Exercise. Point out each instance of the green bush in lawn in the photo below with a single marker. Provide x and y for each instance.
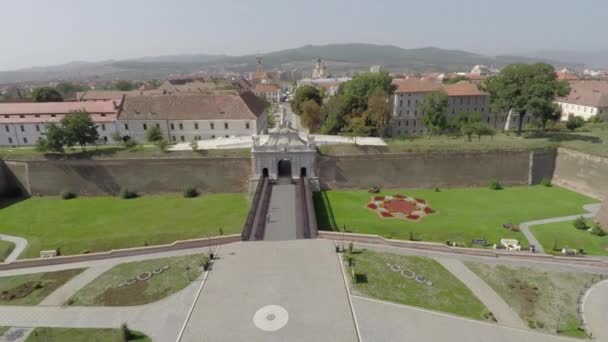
(125, 193)
(66, 195)
(545, 182)
(495, 185)
(580, 223)
(597, 230)
(190, 192)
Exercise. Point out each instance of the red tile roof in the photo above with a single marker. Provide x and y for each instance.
(44, 112)
(267, 88)
(463, 88)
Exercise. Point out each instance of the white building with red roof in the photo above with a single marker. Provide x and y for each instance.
(25, 123)
(271, 92)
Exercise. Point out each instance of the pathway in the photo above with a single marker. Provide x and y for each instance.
(592, 210)
(269, 291)
(386, 322)
(595, 310)
(61, 295)
(20, 244)
(282, 213)
(503, 313)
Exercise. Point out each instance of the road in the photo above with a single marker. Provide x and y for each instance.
(291, 117)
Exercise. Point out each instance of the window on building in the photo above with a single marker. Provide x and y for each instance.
(53, 115)
(415, 113)
(157, 125)
(246, 125)
(173, 138)
(400, 103)
(172, 126)
(227, 136)
(25, 140)
(182, 138)
(196, 125)
(414, 123)
(145, 127)
(103, 127)
(105, 139)
(408, 102)
(10, 140)
(181, 126)
(407, 112)
(22, 116)
(37, 128)
(22, 128)
(225, 125)
(102, 114)
(36, 115)
(213, 137)
(6, 128)
(399, 123)
(212, 125)
(407, 123)
(126, 126)
(6, 116)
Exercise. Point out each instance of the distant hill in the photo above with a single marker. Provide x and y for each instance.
(339, 57)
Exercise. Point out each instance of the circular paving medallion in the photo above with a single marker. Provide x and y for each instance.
(270, 318)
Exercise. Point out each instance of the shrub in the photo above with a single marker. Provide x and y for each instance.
(597, 230)
(130, 143)
(495, 185)
(580, 223)
(66, 195)
(190, 192)
(125, 193)
(350, 248)
(574, 122)
(194, 145)
(162, 144)
(220, 231)
(546, 182)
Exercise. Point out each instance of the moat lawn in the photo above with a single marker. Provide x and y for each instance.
(462, 214)
(564, 235)
(93, 224)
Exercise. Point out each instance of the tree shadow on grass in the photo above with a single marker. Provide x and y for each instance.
(566, 136)
(360, 278)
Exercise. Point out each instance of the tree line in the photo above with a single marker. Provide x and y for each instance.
(362, 105)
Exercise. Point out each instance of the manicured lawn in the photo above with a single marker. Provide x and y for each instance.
(105, 290)
(566, 236)
(41, 285)
(92, 224)
(3, 330)
(592, 139)
(446, 293)
(462, 214)
(546, 301)
(6, 248)
(81, 335)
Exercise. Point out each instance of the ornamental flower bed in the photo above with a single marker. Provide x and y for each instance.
(400, 207)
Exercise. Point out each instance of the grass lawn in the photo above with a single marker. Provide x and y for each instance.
(3, 330)
(592, 139)
(463, 214)
(105, 290)
(546, 301)
(6, 247)
(19, 286)
(92, 224)
(447, 293)
(82, 335)
(567, 236)
(117, 151)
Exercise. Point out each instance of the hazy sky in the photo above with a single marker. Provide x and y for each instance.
(44, 32)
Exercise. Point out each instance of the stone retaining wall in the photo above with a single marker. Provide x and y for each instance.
(582, 173)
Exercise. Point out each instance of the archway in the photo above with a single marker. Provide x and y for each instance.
(265, 172)
(284, 168)
(303, 172)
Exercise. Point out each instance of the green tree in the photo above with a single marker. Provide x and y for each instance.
(378, 111)
(303, 94)
(54, 138)
(311, 116)
(334, 111)
(356, 92)
(356, 126)
(79, 129)
(69, 88)
(124, 85)
(435, 108)
(525, 88)
(455, 79)
(46, 94)
(153, 134)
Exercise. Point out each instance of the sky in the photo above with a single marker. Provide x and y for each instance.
(48, 32)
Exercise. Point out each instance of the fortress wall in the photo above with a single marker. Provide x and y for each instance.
(104, 177)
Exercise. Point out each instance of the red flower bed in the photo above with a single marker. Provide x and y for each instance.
(379, 198)
(399, 196)
(372, 206)
(420, 200)
(385, 214)
(413, 217)
(428, 210)
(400, 206)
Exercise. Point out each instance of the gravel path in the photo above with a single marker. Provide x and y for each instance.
(20, 244)
(592, 210)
